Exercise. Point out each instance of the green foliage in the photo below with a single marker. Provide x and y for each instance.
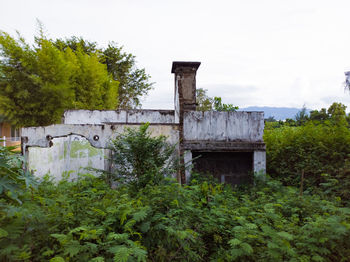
(302, 116)
(151, 218)
(39, 82)
(206, 103)
(133, 82)
(335, 114)
(219, 106)
(316, 148)
(13, 179)
(86, 220)
(140, 159)
(93, 87)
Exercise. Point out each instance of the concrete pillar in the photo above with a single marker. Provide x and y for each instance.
(185, 100)
(259, 162)
(188, 164)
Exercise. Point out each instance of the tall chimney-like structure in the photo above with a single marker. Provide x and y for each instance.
(185, 87)
(185, 100)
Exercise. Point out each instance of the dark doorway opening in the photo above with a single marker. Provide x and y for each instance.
(229, 167)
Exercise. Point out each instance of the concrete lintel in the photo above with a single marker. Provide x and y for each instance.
(206, 146)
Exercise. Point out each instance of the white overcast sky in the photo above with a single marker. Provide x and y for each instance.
(253, 52)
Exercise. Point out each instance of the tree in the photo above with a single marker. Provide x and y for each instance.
(133, 82)
(39, 82)
(337, 112)
(140, 159)
(302, 116)
(321, 115)
(206, 103)
(270, 119)
(219, 106)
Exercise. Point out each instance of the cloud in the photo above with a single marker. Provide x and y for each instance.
(339, 99)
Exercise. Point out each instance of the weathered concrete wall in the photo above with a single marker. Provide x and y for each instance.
(223, 126)
(72, 148)
(71, 154)
(96, 117)
(203, 132)
(97, 135)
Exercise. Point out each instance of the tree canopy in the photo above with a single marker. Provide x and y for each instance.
(38, 82)
(335, 114)
(206, 103)
(133, 82)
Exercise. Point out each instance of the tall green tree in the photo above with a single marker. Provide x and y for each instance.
(336, 113)
(134, 82)
(38, 82)
(206, 103)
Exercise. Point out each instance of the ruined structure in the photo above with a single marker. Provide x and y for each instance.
(228, 145)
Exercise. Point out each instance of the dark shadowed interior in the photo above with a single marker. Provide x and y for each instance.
(229, 167)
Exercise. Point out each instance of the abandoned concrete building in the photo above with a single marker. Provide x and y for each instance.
(230, 144)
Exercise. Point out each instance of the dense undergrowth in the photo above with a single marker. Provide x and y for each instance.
(320, 150)
(86, 220)
(156, 219)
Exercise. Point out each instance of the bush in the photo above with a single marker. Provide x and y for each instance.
(86, 220)
(13, 179)
(139, 159)
(317, 149)
(149, 217)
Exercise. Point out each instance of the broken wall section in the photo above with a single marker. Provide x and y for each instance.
(71, 148)
(72, 154)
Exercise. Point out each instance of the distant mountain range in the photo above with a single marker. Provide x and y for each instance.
(279, 113)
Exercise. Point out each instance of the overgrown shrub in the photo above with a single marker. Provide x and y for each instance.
(13, 179)
(86, 220)
(148, 218)
(139, 159)
(322, 148)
